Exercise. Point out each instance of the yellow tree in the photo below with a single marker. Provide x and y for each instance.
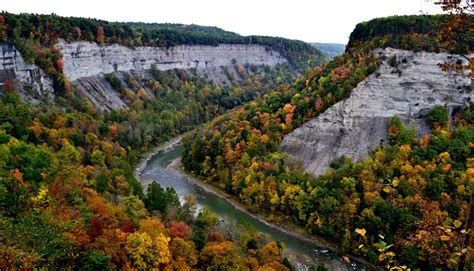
(146, 252)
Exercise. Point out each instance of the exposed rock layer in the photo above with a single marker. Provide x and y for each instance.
(355, 126)
(84, 59)
(86, 63)
(34, 84)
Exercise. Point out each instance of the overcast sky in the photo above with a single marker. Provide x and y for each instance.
(307, 20)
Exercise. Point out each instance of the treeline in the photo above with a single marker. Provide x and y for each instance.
(404, 206)
(28, 31)
(413, 33)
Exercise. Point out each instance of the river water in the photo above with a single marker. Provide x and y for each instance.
(302, 254)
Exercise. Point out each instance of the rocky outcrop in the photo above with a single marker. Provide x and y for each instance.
(355, 126)
(33, 83)
(85, 59)
(86, 63)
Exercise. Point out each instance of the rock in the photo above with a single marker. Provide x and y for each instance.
(355, 126)
(33, 84)
(85, 59)
(86, 63)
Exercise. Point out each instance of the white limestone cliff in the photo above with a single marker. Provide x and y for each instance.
(84, 59)
(355, 126)
(34, 84)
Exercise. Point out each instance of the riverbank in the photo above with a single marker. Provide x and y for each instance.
(232, 200)
(164, 147)
(294, 231)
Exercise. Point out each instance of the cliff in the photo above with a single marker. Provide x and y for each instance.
(34, 84)
(84, 59)
(86, 63)
(353, 127)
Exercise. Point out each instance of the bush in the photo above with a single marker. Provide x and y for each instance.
(438, 116)
(393, 61)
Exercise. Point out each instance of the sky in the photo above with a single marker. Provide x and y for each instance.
(307, 20)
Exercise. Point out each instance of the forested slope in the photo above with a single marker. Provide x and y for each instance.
(404, 206)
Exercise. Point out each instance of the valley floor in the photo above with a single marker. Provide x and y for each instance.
(289, 228)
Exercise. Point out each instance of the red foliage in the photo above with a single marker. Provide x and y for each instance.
(60, 64)
(128, 227)
(9, 86)
(319, 104)
(113, 129)
(97, 226)
(179, 229)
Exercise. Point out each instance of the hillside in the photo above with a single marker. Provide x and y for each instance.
(404, 206)
(355, 126)
(82, 100)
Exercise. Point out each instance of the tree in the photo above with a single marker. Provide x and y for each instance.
(147, 252)
(457, 34)
(95, 260)
(185, 250)
(180, 229)
(221, 256)
(134, 208)
(100, 38)
(438, 116)
(159, 199)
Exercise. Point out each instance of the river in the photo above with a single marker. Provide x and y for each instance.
(302, 254)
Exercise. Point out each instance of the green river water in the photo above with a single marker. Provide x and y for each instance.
(302, 254)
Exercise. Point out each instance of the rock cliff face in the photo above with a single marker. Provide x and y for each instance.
(34, 84)
(86, 63)
(85, 59)
(358, 124)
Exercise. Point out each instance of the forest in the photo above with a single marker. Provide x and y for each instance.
(69, 198)
(405, 206)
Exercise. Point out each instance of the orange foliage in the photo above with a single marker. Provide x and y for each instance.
(179, 229)
(152, 226)
(78, 236)
(100, 35)
(319, 104)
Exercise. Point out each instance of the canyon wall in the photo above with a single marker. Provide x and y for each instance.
(355, 126)
(84, 59)
(86, 63)
(33, 83)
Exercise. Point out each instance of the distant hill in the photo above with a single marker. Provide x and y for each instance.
(331, 50)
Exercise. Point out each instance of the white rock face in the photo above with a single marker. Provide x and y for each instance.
(355, 126)
(85, 59)
(33, 82)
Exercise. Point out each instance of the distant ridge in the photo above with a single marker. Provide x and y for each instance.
(330, 50)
